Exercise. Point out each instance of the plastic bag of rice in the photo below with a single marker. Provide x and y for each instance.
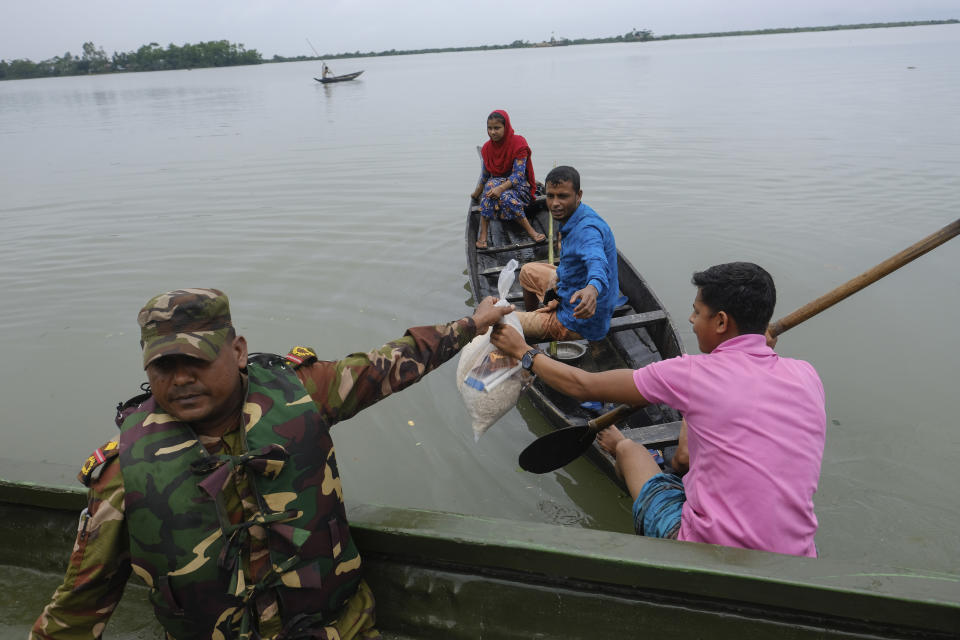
(489, 381)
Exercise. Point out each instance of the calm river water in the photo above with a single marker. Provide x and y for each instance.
(333, 216)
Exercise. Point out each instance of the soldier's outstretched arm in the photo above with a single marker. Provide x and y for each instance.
(342, 388)
(98, 569)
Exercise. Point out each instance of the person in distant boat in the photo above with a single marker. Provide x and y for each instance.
(326, 71)
(507, 184)
(753, 431)
(580, 294)
(222, 490)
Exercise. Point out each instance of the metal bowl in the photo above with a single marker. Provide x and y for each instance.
(570, 352)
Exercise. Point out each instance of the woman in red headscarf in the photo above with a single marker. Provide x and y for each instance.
(506, 181)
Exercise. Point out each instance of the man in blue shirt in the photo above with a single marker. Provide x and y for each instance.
(580, 294)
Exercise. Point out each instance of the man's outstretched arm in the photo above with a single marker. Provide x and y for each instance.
(606, 386)
(342, 388)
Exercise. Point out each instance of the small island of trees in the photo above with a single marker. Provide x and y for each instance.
(149, 57)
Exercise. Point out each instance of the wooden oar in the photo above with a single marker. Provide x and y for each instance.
(563, 446)
(866, 278)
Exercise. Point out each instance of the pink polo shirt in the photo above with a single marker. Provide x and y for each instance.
(756, 426)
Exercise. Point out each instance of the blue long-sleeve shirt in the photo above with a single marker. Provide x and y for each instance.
(588, 255)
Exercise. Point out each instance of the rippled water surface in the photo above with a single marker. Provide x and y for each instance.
(334, 216)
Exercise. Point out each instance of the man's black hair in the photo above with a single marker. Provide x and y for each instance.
(497, 116)
(564, 173)
(742, 289)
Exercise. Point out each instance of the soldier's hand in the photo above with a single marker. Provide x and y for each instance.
(487, 314)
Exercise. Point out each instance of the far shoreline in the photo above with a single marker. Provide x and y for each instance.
(636, 35)
(95, 61)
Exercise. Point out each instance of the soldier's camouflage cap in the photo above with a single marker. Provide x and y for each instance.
(191, 322)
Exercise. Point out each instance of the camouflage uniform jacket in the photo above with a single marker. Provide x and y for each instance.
(100, 562)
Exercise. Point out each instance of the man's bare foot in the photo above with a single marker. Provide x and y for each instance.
(481, 244)
(608, 439)
(538, 237)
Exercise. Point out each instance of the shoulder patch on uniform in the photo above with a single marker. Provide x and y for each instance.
(299, 356)
(94, 465)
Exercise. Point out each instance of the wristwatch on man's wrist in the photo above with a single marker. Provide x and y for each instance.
(527, 360)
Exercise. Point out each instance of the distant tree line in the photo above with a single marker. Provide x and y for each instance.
(149, 57)
(634, 35)
(836, 27)
(221, 53)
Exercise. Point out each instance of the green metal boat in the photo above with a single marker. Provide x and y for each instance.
(443, 575)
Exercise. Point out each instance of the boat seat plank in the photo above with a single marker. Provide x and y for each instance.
(492, 272)
(655, 435)
(512, 247)
(637, 320)
(636, 347)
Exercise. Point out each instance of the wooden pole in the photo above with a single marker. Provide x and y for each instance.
(866, 278)
(553, 343)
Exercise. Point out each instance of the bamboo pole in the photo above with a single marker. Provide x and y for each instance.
(866, 278)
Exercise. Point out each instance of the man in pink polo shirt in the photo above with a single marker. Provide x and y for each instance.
(754, 423)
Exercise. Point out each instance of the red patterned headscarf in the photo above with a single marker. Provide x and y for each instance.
(498, 157)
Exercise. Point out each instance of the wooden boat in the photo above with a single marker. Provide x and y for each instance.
(641, 331)
(443, 575)
(346, 76)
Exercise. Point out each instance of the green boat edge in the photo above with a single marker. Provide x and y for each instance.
(444, 575)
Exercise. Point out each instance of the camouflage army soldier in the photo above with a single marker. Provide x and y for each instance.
(222, 491)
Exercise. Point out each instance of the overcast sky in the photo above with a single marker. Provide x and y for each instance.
(41, 29)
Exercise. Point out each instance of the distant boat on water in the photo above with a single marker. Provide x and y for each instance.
(332, 78)
(327, 76)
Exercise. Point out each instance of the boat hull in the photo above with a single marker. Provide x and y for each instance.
(443, 575)
(343, 78)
